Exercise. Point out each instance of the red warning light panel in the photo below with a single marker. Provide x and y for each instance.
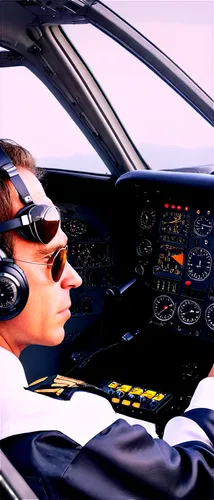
(178, 207)
(166, 205)
(186, 209)
(172, 206)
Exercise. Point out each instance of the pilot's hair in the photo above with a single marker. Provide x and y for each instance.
(19, 156)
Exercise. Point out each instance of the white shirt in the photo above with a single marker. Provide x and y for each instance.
(84, 416)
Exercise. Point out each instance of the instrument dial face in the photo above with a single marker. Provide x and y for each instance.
(139, 268)
(91, 255)
(199, 264)
(175, 222)
(75, 228)
(189, 312)
(147, 218)
(8, 292)
(163, 308)
(203, 226)
(144, 248)
(209, 316)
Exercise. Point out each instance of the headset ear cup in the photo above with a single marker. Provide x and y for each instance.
(27, 233)
(14, 289)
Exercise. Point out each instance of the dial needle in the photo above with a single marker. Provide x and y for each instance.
(164, 309)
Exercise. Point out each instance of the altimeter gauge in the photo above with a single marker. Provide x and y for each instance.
(199, 264)
(189, 312)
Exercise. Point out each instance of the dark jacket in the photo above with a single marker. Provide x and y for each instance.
(122, 462)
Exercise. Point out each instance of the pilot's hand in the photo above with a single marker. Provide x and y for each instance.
(211, 373)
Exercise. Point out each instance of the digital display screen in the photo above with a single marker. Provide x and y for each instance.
(170, 260)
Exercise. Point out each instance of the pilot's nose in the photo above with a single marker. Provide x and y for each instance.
(70, 278)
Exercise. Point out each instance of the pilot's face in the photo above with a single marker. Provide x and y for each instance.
(43, 318)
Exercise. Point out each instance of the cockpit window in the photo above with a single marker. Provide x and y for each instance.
(166, 130)
(32, 116)
(182, 29)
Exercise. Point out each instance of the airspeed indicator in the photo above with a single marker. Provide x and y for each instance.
(163, 308)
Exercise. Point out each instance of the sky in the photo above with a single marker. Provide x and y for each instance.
(150, 111)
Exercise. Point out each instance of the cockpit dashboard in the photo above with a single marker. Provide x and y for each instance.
(167, 241)
(144, 247)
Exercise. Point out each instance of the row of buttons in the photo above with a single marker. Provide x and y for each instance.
(135, 398)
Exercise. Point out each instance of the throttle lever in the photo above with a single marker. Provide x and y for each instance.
(117, 291)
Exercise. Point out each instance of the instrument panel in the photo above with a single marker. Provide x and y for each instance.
(91, 254)
(181, 263)
(90, 247)
(171, 249)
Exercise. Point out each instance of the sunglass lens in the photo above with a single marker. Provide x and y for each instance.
(59, 264)
(47, 226)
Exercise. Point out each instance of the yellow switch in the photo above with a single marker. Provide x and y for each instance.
(159, 397)
(113, 385)
(149, 394)
(136, 405)
(125, 402)
(115, 400)
(137, 391)
(125, 388)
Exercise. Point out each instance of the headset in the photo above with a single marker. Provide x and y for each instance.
(14, 289)
(34, 223)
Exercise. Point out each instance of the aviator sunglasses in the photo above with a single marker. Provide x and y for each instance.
(56, 262)
(33, 222)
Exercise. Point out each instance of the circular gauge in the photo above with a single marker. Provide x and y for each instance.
(163, 308)
(75, 228)
(203, 226)
(8, 294)
(139, 268)
(144, 248)
(199, 264)
(189, 312)
(175, 222)
(147, 218)
(209, 316)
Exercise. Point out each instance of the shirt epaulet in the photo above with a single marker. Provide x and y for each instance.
(62, 387)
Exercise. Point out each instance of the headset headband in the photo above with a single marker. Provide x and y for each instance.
(11, 173)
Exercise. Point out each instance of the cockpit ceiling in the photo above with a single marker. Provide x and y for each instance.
(55, 11)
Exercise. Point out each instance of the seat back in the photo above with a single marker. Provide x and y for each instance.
(12, 484)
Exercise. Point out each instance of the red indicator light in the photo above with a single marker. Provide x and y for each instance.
(166, 205)
(179, 207)
(172, 206)
(188, 283)
(186, 209)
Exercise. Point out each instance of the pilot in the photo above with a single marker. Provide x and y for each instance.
(76, 446)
